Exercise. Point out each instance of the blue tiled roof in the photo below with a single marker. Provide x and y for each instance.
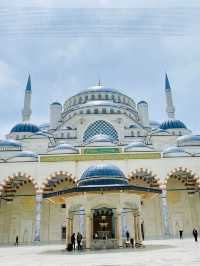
(170, 124)
(103, 174)
(25, 127)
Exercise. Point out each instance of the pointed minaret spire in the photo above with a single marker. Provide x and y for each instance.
(26, 112)
(170, 109)
(28, 85)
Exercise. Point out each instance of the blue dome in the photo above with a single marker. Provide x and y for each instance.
(170, 124)
(25, 127)
(103, 175)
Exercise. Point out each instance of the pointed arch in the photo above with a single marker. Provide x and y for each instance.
(144, 177)
(57, 178)
(11, 184)
(186, 176)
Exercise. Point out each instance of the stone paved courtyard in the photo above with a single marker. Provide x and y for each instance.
(159, 252)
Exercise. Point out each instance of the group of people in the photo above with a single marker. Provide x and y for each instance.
(194, 232)
(77, 238)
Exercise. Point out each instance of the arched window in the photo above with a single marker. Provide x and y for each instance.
(80, 100)
(99, 96)
(104, 111)
(106, 97)
(88, 111)
(111, 111)
(96, 111)
(100, 127)
(92, 97)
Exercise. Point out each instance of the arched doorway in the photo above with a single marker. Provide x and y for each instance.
(151, 210)
(17, 209)
(183, 201)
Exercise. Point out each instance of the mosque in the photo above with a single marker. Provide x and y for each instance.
(101, 167)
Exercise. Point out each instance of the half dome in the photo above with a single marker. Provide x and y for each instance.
(188, 140)
(102, 175)
(24, 156)
(137, 146)
(9, 143)
(101, 138)
(25, 127)
(172, 124)
(64, 148)
(175, 152)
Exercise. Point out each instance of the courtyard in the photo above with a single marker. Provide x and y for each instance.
(171, 252)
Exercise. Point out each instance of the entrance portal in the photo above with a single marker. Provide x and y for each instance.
(103, 223)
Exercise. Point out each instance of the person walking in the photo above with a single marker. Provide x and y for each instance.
(73, 241)
(16, 241)
(79, 239)
(127, 235)
(195, 234)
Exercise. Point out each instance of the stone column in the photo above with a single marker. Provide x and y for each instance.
(139, 234)
(165, 212)
(38, 199)
(68, 228)
(88, 228)
(135, 228)
(119, 227)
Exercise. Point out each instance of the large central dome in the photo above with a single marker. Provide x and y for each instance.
(103, 175)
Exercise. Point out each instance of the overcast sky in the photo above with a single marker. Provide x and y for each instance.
(66, 51)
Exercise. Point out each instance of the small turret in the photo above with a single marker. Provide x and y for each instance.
(26, 112)
(143, 113)
(170, 109)
(55, 114)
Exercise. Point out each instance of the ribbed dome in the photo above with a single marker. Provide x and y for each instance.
(25, 127)
(137, 146)
(189, 140)
(64, 148)
(170, 124)
(100, 138)
(100, 89)
(175, 152)
(10, 143)
(102, 175)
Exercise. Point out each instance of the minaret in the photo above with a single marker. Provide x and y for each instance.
(26, 112)
(170, 109)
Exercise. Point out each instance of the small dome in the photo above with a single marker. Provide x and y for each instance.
(25, 127)
(25, 156)
(100, 89)
(171, 124)
(175, 152)
(101, 138)
(64, 148)
(103, 175)
(56, 103)
(137, 146)
(188, 140)
(10, 143)
(142, 102)
(158, 131)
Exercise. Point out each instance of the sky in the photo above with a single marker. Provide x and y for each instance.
(66, 50)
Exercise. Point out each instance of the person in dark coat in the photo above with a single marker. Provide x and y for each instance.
(181, 234)
(73, 241)
(79, 239)
(127, 235)
(195, 234)
(16, 241)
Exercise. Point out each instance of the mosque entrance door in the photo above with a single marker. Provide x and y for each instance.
(103, 223)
